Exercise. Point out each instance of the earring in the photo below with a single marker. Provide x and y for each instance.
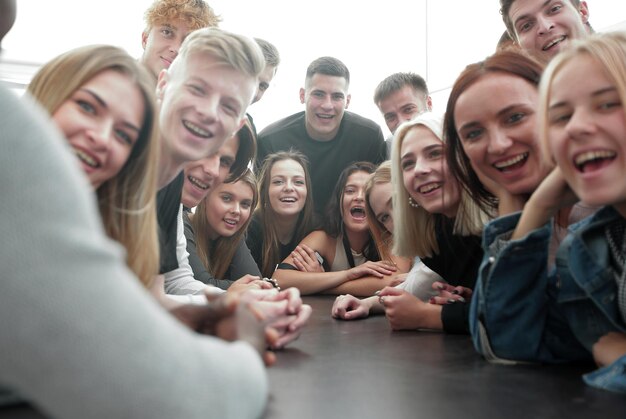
(413, 203)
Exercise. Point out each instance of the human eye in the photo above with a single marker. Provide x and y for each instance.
(231, 109)
(195, 89)
(555, 8)
(318, 95)
(226, 162)
(435, 153)
(384, 218)
(124, 137)
(515, 117)
(246, 204)
(338, 96)
(167, 32)
(226, 197)
(409, 110)
(407, 164)
(277, 182)
(390, 118)
(524, 26)
(349, 190)
(299, 182)
(472, 134)
(86, 106)
(559, 117)
(263, 86)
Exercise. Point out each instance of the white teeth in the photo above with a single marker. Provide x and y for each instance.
(85, 158)
(230, 222)
(288, 200)
(429, 187)
(554, 42)
(325, 116)
(510, 162)
(583, 158)
(196, 129)
(197, 182)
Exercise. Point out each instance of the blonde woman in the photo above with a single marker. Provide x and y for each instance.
(103, 102)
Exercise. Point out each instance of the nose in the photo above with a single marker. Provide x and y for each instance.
(211, 166)
(499, 143)
(100, 135)
(422, 168)
(236, 208)
(208, 108)
(580, 124)
(544, 25)
(327, 102)
(288, 185)
(360, 194)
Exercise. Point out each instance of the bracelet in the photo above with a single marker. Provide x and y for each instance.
(272, 281)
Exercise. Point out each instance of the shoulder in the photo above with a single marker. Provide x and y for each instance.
(291, 122)
(320, 241)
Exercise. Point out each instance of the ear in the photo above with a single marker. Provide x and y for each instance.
(302, 95)
(584, 12)
(161, 84)
(429, 103)
(144, 39)
(348, 101)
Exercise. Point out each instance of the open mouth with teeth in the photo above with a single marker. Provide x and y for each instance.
(195, 129)
(87, 159)
(196, 182)
(288, 200)
(231, 222)
(513, 163)
(554, 42)
(325, 116)
(429, 188)
(593, 160)
(358, 213)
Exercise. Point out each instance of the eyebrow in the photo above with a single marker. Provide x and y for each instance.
(594, 94)
(527, 15)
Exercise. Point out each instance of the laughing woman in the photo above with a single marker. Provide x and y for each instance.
(578, 310)
(218, 227)
(351, 262)
(103, 102)
(285, 213)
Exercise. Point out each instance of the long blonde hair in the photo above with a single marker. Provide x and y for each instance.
(414, 228)
(127, 201)
(382, 237)
(216, 255)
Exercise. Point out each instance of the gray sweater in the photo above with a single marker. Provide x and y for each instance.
(79, 336)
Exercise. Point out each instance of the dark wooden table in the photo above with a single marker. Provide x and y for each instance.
(361, 369)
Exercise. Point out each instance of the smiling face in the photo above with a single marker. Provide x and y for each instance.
(425, 172)
(402, 105)
(101, 120)
(543, 28)
(287, 191)
(353, 202)
(202, 103)
(203, 174)
(587, 132)
(326, 98)
(496, 122)
(228, 208)
(161, 45)
(380, 202)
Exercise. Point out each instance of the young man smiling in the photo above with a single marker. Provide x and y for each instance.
(168, 22)
(324, 132)
(544, 27)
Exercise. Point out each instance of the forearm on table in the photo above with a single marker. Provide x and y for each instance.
(362, 287)
(309, 282)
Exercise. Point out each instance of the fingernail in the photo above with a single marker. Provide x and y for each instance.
(461, 299)
(455, 292)
(441, 287)
(432, 300)
(377, 292)
(451, 301)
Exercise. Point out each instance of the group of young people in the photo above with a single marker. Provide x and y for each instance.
(503, 219)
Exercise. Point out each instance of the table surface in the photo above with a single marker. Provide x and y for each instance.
(361, 369)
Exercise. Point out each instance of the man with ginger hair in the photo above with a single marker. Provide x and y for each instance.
(168, 22)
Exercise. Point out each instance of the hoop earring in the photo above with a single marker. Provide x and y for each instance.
(413, 203)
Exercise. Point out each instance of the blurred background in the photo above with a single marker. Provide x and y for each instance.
(435, 39)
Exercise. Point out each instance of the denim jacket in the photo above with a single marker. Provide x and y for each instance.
(522, 312)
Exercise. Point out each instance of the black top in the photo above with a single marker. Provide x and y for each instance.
(358, 139)
(241, 264)
(168, 204)
(254, 240)
(457, 262)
